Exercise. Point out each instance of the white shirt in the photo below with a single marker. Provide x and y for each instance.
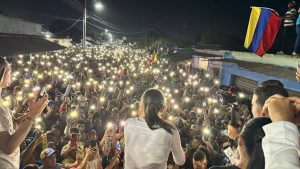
(93, 164)
(281, 145)
(11, 161)
(150, 149)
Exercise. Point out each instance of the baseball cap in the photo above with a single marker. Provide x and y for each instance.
(31, 166)
(92, 131)
(47, 152)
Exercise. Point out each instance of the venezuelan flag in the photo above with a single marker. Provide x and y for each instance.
(154, 59)
(264, 24)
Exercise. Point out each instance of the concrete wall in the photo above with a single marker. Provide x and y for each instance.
(273, 59)
(277, 60)
(230, 69)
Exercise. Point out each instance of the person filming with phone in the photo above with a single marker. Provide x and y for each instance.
(149, 138)
(70, 150)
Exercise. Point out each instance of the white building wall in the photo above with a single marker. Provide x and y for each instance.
(18, 26)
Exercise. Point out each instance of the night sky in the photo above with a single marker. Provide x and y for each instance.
(175, 18)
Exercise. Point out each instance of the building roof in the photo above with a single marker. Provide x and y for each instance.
(17, 44)
(267, 69)
(11, 25)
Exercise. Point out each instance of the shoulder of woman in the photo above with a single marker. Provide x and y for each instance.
(130, 121)
(174, 129)
(173, 126)
(4, 113)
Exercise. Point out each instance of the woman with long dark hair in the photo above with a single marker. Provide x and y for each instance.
(251, 155)
(149, 138)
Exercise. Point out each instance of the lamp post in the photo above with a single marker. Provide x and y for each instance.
(98, 6)
(84, 27)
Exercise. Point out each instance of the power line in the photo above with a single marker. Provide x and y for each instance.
(124, 33)
(73, 6)
(78, 7)
(70, 27)
(54, 16)
(94, 16)
(103, 22)
(76, 3)
(77, 20)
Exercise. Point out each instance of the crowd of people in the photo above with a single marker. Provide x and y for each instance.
(111, 106)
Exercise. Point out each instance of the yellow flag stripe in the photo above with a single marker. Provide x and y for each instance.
(254, 17)
(155, 57)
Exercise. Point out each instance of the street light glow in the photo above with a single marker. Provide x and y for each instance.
(241, 95)
(48, 35)
(99, 6)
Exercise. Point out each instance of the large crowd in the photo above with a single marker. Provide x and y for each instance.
(86, 97)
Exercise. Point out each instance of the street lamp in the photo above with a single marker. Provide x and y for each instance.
(98, 6)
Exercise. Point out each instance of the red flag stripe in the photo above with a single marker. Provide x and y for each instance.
(269, 34)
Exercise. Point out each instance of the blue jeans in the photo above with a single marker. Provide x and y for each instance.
(297, 43)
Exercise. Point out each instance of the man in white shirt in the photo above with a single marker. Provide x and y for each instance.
(281, 142)
(262, 93)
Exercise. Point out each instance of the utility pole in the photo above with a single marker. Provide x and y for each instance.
(145, 39)
(84, 27)
(152, 37)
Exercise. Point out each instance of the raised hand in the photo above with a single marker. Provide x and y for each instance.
(36, 107)
(279, 108)
(296, 101)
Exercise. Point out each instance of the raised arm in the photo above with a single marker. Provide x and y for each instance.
(10, 142)
(177, 150)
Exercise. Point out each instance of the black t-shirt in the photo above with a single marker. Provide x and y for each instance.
(225, 167)
(217, 160)
(105, 159)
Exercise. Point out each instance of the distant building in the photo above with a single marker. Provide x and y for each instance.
(66, 42)
(247, 70)
(16, 26)
(18, 36)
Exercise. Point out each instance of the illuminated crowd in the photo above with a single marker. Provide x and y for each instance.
(92, 93)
